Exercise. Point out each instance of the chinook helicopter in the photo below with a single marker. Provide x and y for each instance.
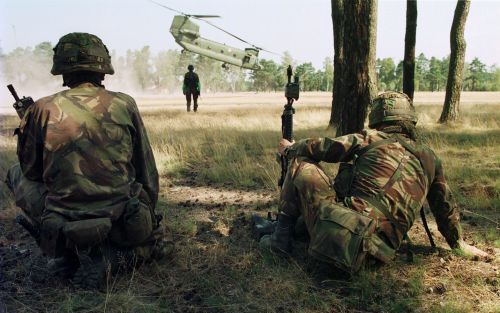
(187, 34)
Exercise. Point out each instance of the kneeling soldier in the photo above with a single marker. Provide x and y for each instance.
(376, 196)
(86, 177)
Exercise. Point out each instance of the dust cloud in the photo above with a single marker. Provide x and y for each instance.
(30, 75)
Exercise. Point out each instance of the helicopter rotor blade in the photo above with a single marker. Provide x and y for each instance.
(203, 16)
(168, 8)
(237, 37)
(230, 34)
(185, 14)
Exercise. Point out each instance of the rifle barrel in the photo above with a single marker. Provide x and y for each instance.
(13, 92)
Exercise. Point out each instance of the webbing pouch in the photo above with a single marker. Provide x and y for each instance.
(88, 232)
(341, 236)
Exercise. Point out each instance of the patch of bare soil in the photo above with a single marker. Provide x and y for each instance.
(217, 197)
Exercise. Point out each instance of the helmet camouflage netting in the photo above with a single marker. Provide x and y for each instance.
(391, 106)
(81, 52)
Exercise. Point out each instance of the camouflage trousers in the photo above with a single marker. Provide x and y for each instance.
(30, 197)
(305, 187)
(307, 191)
(194, 95)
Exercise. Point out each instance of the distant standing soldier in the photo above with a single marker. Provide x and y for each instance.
(86, 177)
(191, 87)
(375, 198)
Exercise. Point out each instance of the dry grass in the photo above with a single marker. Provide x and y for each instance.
(216, 167)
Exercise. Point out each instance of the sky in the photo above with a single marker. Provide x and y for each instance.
(304, 28)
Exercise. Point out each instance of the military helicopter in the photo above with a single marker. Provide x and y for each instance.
(187, 34)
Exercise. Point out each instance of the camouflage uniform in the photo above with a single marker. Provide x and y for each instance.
(191, 88)
(388, 179)
(85, 154)
(86, 177)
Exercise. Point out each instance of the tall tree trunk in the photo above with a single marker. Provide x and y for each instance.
(451, 107)
(338, 61)
(410, 39)
(359, 77)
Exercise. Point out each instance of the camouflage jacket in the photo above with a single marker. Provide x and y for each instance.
(89, 147)
(420, 179)
(191, 83)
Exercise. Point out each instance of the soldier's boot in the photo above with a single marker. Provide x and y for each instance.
(281, 240)
(300, 232)
(189, 107)
(92, 271)
(64, 266)
(195, 108)
(162, 250)
(101, 261)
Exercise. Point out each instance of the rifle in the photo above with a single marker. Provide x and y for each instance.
(265, 226)
(33, 230)
(21, 105)
(291, 94)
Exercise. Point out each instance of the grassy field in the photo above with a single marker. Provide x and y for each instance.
(217, 166)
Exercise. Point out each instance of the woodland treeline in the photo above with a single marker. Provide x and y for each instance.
(162, 72)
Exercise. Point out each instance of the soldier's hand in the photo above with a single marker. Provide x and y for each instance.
(472, 251)
(283, 145)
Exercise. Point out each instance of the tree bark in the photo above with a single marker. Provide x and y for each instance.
(358, 74)
(410, 39)
(451, 107)
(338, 61)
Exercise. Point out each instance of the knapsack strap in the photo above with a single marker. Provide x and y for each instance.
(375, 144)
(377, 200)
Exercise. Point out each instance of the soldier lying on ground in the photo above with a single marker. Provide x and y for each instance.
(86, 177)
(375, 198)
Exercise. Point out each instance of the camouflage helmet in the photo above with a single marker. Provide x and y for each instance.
(81, 52)
(190, 67)
(391, 106)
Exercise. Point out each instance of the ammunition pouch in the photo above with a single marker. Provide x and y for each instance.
(137, 222)
(88, 232)
(344, 237)
(135, 226)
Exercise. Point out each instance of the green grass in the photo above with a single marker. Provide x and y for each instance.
(217, 266)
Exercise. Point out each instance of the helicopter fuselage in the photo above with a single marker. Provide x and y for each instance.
(187, 35)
